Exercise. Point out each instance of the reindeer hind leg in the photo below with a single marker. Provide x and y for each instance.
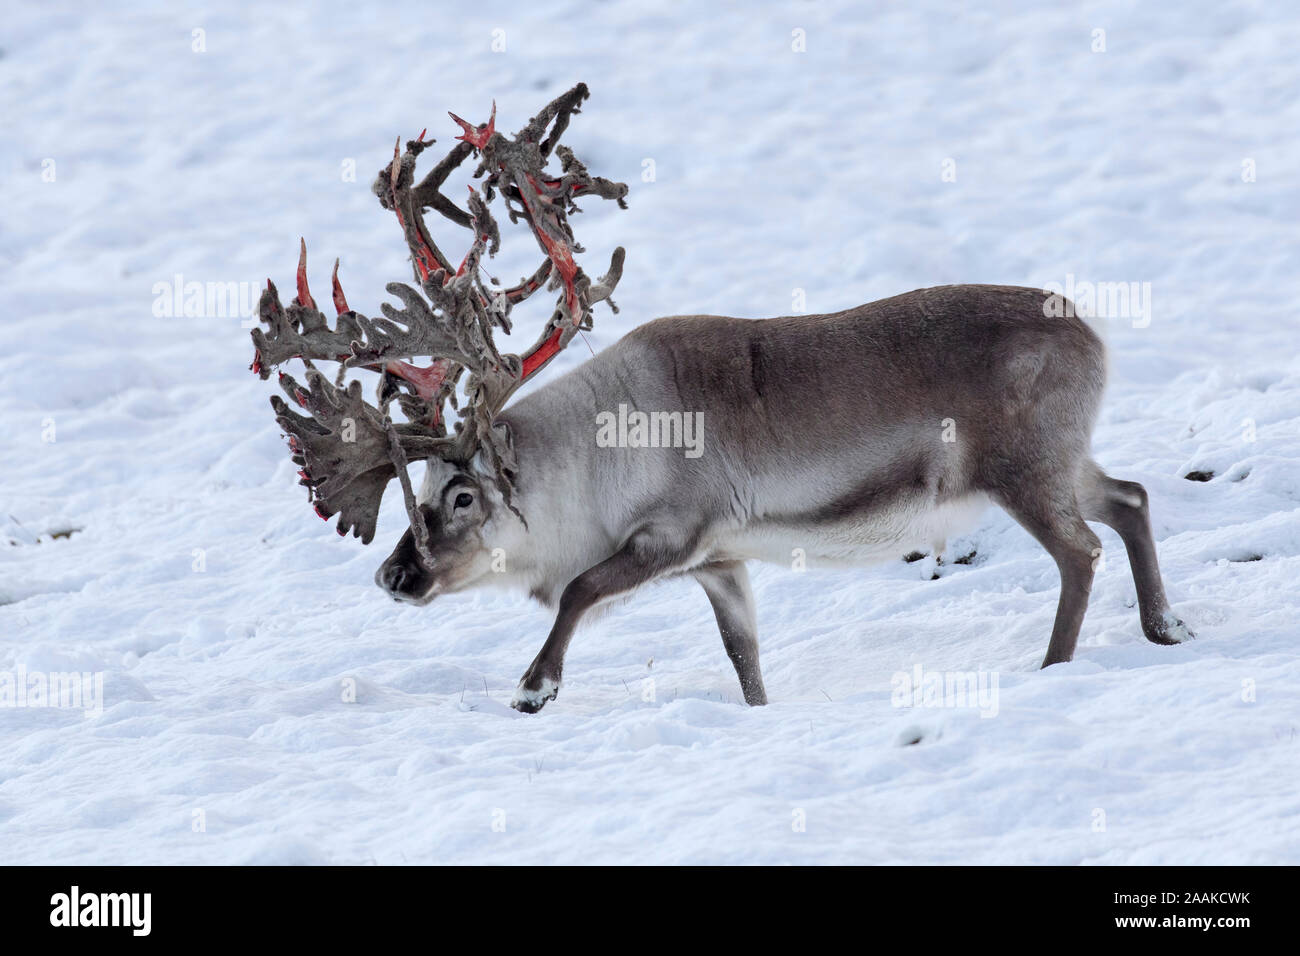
(1047, 510)
(1123, 506)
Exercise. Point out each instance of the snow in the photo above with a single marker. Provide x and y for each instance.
(264, 702)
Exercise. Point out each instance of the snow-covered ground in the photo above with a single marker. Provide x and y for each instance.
(151, 529)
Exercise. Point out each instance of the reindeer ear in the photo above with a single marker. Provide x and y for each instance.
(496, 453)
(505, 449)
(502, 431)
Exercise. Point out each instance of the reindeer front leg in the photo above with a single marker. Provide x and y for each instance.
(648, 553)
(727, 585)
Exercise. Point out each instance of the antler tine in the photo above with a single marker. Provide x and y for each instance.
(560, 109)
(477, 136)
(300, 330)
(304, 294)
(528, 286)
(428, 194)
(602, 289)
(336, 289)
(393, 187)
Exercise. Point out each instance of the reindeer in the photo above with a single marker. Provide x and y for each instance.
(833, 434)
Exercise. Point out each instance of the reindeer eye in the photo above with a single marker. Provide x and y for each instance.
(464, 500)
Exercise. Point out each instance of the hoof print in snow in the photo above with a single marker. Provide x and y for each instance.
(1241, 557)
(911, 737)
(1199, 475)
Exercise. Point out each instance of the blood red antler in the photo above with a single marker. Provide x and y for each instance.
(350, 449)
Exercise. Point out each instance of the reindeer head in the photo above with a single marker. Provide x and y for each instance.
(455, 505)
(349, 449)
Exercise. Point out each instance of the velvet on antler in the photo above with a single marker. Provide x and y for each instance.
(348, 448)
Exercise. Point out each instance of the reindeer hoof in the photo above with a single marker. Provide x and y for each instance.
(528, 700)
(1168, 630)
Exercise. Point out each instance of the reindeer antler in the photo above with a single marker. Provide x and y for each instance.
(349, 449)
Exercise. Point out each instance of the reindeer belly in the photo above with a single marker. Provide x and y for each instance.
(866, 536)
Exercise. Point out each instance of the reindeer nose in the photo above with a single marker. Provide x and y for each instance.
(394, 577)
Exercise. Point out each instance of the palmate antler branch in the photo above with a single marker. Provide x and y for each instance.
(350, 449)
